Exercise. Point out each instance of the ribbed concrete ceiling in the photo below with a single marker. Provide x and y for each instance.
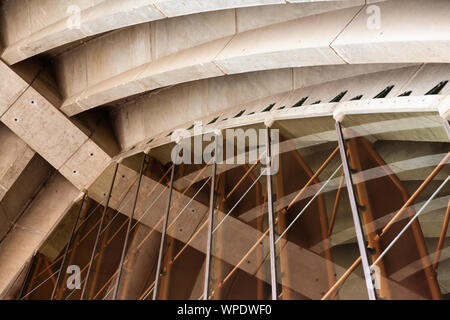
(130, 72)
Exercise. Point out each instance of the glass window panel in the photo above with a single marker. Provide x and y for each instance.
(315, 237)
(183, 263)
(240, 243)
(393, 156)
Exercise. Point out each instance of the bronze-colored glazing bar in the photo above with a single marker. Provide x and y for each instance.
(28, 276)
(100, 256)
(336, 206)
(342, 279)
(108, 242)
(147, 292)
(163, 236)
(390, 223)
(79, 242)
(447, 128)
(244, 176)
(83, 292)
(355, 213)
(236, 267)
(189, 241)
(72, 235)
(130, 222)
(273, 271)
(447, 216)
(446, 219)
(393, 241)
(50, 270)
(105, 285)
(210, 225)
(144, 213)
(407, 204)
(416, 194)
(195, 180)
(314, 177)
(442, 238)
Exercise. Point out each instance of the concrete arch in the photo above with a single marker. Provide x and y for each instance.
(54, 27)
(332, 38)
(225, 97)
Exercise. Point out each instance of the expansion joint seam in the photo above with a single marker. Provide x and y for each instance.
(411, 78)
(218, 67)
(73, 154)
(224, 47)
(27, 205)
(155, 5)
(22, 93)
(343, 29)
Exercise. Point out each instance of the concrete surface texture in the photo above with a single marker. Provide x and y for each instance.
(86, 84)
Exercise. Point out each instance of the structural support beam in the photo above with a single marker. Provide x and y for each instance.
(130, 222)
(355, 214)
(36, 121)
(30, 231)
(49, 132)
(342, 37)
(15, 157)
(273, 269)
(163, 236)
(94, 249)
(102, 17)
(211, 212)
(72, 236)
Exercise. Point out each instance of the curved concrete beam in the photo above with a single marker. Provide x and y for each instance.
(31, 230)
(13, 161)
(114, 53)
(45, 26)
(155, 115)
(49, 132)
(327, 39)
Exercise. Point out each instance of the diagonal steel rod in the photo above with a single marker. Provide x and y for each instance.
(130, 221)
(244, 257)
(83, 292)
(149, 290)
(237, 203)
(40, 284)
(308, 204)
(72, 235)
(252, 248)
(245, 176)
(442, 238)
(355, 214)
(70, 250)
(28, 275)
(401, 210)
(314, 177)
(273, 271)
(417, 193)
(163, 236)
(90, 230)
(210, 225)
(447, 128)
(342, 279)
(115, 234)
(142, 216)
(391, 244)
